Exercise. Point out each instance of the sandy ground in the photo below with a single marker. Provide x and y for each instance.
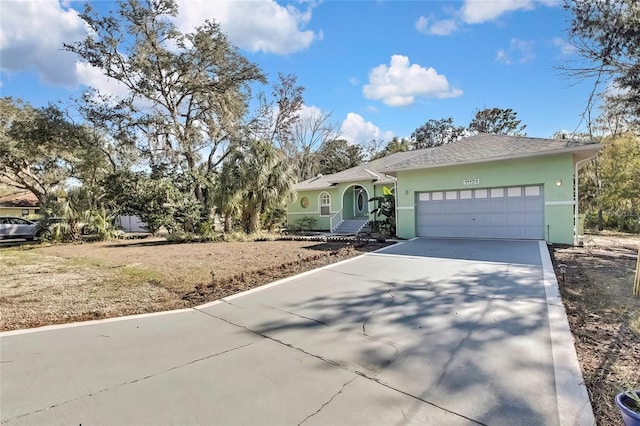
(604, 316)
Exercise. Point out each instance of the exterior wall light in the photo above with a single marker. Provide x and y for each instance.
(559, 182)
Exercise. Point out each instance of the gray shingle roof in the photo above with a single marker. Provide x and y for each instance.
(474, 149)
(372, 170)
(485, 147)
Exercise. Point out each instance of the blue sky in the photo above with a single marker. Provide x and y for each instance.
(382, 67)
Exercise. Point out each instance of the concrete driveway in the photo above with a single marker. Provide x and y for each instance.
(441, 332)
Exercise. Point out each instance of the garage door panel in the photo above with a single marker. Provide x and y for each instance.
(515, 205)
(498, 219)
(482, 232)
(517, 219)
(498, 205)
(452, 220)
(532, 233)
(437, 220)
(467, 219)
(499, 232)
(509, 212)
(534, 219)
(482, 205)
(481, 219)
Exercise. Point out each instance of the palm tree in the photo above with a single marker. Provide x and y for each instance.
(255, 178)
(226, 195)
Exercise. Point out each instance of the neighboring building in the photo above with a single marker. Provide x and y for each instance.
(483, 186)
(132, 224)
(21, 205)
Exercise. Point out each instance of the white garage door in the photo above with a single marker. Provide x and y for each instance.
(513, 213)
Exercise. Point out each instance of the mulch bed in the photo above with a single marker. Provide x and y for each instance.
(331, 252)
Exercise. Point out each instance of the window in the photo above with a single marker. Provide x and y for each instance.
(25, 212)
(514, 192)
(465, 195)
(325, 204)
(532, 191)
(497, 192)
(451, 195)
(480, 193)
(17, 221)
(360, 201)
(437, 196)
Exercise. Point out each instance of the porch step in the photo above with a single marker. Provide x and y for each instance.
(351, 226)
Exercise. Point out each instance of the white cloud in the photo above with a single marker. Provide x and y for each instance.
(32, 36)
(480, 11)
(565, 47)
(93, 77)
(502, 56)
(441, 27)
(309, 112)
(476, 12)
(33, 33)
(400, 83)
(358, 131)
(520, 51)
(260, 25)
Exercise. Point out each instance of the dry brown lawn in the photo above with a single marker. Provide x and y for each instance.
(604, 316)
(42, 285)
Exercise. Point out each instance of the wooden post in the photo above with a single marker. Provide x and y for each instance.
(636, 286)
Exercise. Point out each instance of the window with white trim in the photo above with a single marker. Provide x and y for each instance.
(325, 204)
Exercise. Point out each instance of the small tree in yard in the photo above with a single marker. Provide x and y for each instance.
(254, 180)
(306, 222)
(386, 206)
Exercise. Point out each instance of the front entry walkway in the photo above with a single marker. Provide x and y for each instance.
(443, 332)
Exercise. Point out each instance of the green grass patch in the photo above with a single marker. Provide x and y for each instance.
(134, 273)
(85, 262)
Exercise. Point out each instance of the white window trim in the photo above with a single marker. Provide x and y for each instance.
(320, 205)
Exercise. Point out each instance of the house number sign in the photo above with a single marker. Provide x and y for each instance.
(475, 181)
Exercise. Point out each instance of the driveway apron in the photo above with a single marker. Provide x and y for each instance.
(429, 331)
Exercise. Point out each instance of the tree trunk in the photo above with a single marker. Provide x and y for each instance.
(636, 285)
(254, 221)
(600, 220)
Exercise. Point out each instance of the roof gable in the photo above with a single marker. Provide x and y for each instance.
(371, 171)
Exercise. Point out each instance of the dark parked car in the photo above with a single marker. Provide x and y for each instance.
(17, 227)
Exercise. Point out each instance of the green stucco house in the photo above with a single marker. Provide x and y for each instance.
(482, 186)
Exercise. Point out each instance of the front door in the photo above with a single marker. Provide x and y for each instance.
(360, 200)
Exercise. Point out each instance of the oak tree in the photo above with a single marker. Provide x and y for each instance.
(497, 121)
